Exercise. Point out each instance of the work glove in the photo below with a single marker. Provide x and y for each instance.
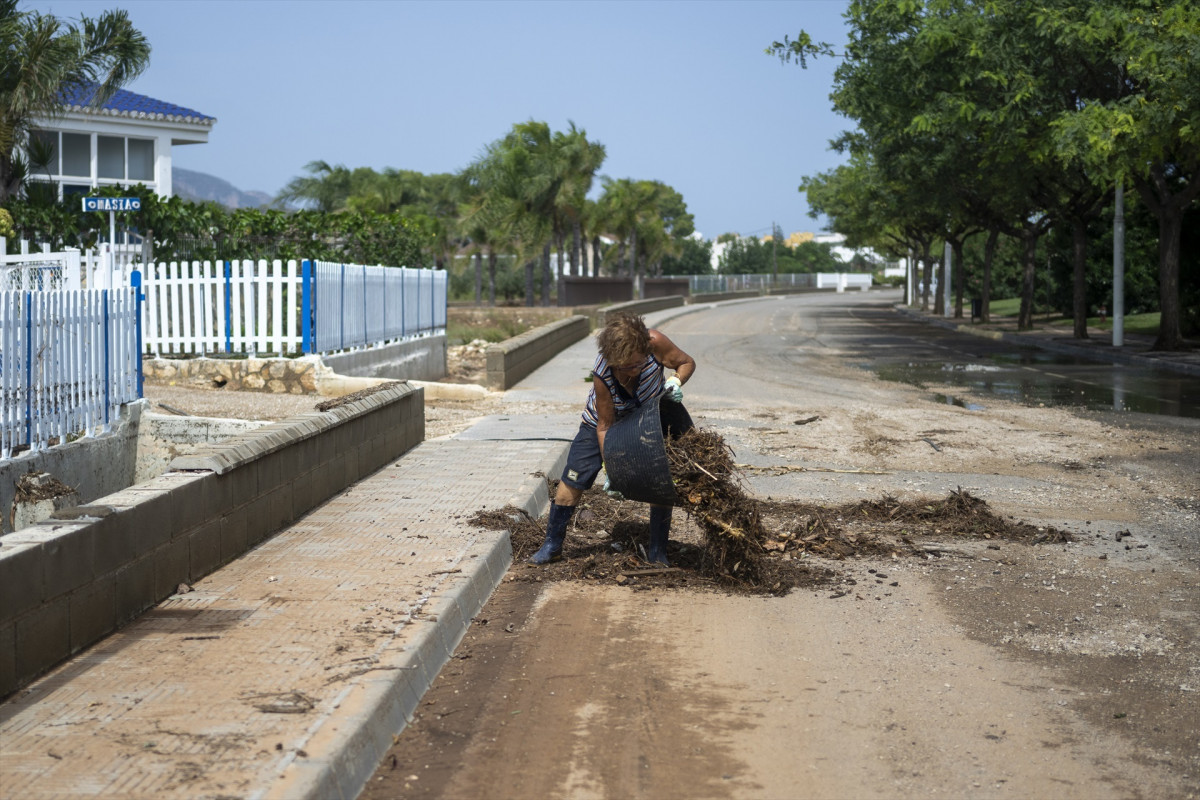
(673, 389)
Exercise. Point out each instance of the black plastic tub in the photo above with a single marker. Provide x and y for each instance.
(635, 454)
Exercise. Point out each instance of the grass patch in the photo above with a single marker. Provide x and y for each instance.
(467, 324)
(1134, 323)
(1146, 324)
(1005, 308)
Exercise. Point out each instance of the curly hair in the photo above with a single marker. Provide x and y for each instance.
(623, 339)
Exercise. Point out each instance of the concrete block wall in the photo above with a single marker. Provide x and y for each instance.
(643, 306)
(513, 359)
(717, 297)
(93, 466)
(67, 582)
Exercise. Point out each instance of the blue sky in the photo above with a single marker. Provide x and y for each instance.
(679, 92)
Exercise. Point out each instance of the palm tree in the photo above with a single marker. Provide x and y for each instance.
(44, 56)
(326, 188)
(577, 160)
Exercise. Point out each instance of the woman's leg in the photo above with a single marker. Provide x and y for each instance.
(583, 464)
(660, 531)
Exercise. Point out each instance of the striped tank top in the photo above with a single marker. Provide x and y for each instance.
(649, 386)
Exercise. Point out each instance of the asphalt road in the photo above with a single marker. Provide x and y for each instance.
(993, 669)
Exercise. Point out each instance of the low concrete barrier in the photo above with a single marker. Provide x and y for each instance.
(640, 307)
(513, 359)
(717, 297)
(69, 581)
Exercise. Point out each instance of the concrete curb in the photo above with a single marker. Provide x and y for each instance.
(380, 704)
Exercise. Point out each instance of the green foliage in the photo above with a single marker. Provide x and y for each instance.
(1007, 117)
(695, 258)
(755, 256)
(182, 230)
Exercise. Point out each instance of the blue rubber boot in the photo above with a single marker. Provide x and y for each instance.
(556, 532)
(660, 531)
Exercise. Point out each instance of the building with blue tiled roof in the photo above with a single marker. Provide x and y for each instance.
(125, 141)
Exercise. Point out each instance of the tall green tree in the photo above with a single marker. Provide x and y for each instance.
(1148, 133)
(42, 57)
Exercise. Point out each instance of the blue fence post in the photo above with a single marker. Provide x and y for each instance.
(403, 310)
(342, 320)
(228, 307)
(29, 369)
(138, 298)
(307, 345)
(366, 328)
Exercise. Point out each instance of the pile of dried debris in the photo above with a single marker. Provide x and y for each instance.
(743, 544)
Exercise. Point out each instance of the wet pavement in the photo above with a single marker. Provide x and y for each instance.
(1042, 367)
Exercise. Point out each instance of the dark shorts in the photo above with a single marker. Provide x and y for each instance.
(583, 459)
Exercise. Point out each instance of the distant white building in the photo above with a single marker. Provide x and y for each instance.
(125, 141)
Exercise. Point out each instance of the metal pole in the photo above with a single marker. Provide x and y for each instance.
(910, 280)
(112, 253)
(1118, 310)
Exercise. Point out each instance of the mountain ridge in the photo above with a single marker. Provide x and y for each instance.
(200, 186)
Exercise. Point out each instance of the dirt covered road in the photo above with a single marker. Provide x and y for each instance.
(961, 666)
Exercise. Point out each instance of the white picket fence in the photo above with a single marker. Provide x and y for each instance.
(261, 308)
(68, 362)
(205, 307)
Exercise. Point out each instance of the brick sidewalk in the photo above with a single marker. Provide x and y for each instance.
(284, 673)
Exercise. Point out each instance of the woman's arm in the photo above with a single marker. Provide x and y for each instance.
(606, 412)
(671, 356)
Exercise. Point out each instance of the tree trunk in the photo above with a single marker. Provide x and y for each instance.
(1029, 237)
(529, 267)
(478, 277)
(1170, 233)
(1079, 309)
(985, 294)
(577, 267)
(633, 258)
(1169, 209)
(596, 257)
(547, 275)
(956, 247)
(939, 299)
(620, 258)
(559, 247)
(926, 277)
(492, 277)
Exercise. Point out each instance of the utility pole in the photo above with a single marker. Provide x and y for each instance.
(774, 262)
(1118, 309)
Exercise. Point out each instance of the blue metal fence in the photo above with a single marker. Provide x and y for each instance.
(352, 305)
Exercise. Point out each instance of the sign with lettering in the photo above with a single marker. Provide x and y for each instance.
(112, 203)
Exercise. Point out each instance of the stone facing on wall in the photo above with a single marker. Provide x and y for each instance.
(274, 375)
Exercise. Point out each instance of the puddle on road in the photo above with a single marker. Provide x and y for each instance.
(1038, 379)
